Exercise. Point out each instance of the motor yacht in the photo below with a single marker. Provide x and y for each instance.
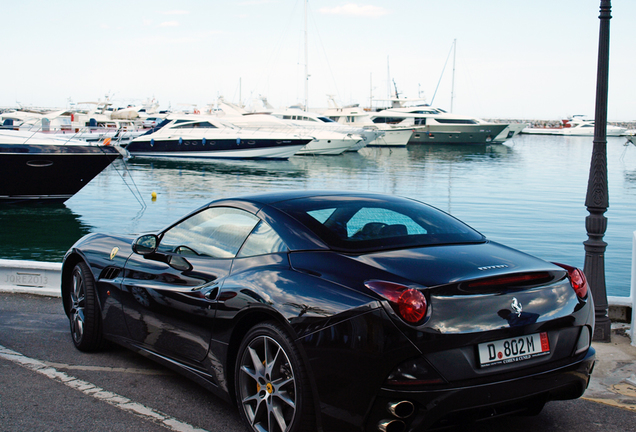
(435, 126)
(576, 125)
(390, 135)
(329, 138)
(38, 166)
(206, 136)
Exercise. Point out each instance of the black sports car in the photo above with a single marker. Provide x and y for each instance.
(337, 311)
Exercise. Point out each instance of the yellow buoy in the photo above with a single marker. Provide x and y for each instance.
(154, 195)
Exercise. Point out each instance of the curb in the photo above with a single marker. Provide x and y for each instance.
(614, 378)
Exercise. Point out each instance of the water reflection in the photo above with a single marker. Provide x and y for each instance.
(186, 166)
(39, 231)
(459, 153)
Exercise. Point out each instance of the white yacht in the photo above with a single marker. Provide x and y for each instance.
(89, 126)
(576, 125)
(353, 115)
(327, 140)
(206, 136)
(313, 121)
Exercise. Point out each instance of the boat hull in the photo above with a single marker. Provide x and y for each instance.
(232, 148)
(329, 147)
(572, 131)
(511, 131)
(466, 134)
(392, 138)
(50, 172)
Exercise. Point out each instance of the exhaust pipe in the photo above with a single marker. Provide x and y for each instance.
(401, 409)
(391, 426)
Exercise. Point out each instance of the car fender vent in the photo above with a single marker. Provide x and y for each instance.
(110, 273)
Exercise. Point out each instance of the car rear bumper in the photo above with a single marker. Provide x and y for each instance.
(433, 409)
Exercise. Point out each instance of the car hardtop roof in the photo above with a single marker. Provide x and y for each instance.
(271, 198)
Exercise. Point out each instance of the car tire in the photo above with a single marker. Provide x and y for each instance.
(84, 314)
(272, 388)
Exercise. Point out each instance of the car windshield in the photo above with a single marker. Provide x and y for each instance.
(366, 223)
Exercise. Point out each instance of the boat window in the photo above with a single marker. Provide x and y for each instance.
(388, 120)
(326, 120)
(201, 124)
(455, 121)
(216, 232)
(420, 121)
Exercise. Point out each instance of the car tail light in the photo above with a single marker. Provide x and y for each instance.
(409, 303)
(577, 279)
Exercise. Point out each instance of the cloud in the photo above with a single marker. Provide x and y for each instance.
(256, 2)
(355, 10)
(169, 24)
(175, 12)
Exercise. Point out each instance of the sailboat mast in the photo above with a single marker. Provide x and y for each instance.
(388, 78)
(371, 90)
(306, 62)
(453, 80)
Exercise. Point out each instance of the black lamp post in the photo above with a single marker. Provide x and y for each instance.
(597, 199)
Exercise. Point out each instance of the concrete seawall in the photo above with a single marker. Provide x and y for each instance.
(556, 122)
(32, 277)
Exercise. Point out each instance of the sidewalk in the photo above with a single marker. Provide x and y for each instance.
(614, 377)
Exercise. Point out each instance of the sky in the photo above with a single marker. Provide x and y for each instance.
(512, 59)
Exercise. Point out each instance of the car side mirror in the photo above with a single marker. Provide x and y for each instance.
(146, 244)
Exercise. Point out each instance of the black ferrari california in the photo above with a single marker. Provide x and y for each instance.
(337, 311)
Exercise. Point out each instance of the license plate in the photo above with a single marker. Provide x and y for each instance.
(513, 350)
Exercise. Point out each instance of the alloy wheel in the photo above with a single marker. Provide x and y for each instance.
(267, 386)
(77, 299)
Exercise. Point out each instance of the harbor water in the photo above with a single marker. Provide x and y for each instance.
(528, 193)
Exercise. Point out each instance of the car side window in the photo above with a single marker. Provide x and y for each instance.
(216, 232)
(263, 240)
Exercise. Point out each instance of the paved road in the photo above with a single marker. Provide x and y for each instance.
(46, 384)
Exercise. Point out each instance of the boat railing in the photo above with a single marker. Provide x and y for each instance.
(630, 301)
(91, 134)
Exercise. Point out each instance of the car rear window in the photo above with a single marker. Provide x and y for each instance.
(357, 224)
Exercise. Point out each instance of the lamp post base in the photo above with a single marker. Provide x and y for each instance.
(602, 330)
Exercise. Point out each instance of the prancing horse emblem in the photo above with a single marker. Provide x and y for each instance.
(113, 252)
(516, 306)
